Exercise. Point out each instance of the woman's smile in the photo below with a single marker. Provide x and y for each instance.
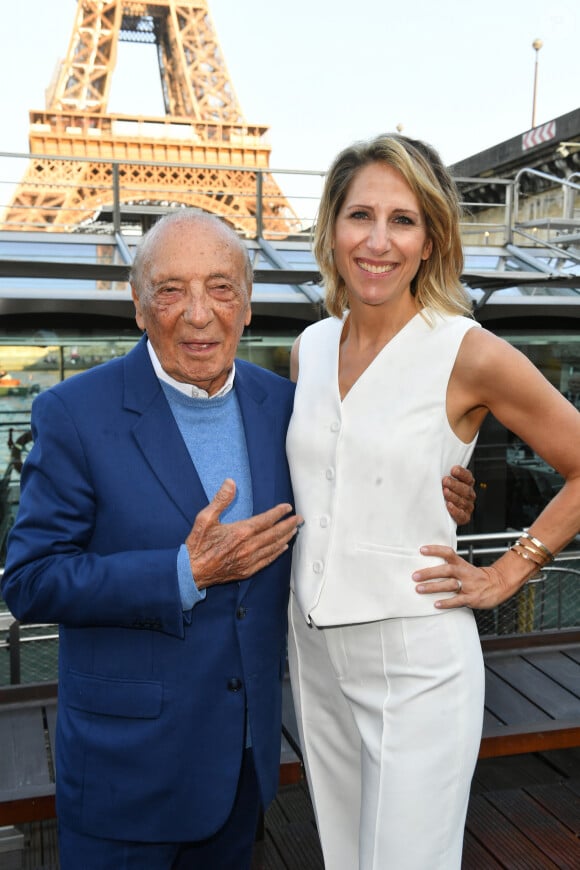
(376, 268)
(380, 238)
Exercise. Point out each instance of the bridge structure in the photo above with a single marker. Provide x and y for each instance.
(94, 181)
(202, 152)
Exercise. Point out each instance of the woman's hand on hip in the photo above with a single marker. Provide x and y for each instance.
(479, 588)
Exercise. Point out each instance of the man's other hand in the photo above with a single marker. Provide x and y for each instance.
(459, 494)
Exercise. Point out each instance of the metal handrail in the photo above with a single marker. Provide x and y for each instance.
(469, 546)
(466, 549)
(14, 641)
(300, 201)
(114, 190)
(557, 180)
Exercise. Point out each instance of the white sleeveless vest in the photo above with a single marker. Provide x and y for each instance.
(367, 471)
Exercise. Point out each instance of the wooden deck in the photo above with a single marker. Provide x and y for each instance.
(524, 814)
(524, 811)
(27, 734)
(532, 698)
(532, 694)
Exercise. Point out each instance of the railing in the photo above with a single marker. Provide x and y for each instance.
(122, 190)
(32, 652)
(565, 223)
(546, 604)
(488, 229)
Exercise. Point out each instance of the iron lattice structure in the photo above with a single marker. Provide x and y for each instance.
(200, 153)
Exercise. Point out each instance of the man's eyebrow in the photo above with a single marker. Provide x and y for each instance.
(230, 277)
(164, 280)
(227, 276)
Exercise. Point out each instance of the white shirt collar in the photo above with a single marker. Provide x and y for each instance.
(189, 389)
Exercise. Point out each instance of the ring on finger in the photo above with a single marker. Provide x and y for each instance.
(459, 585)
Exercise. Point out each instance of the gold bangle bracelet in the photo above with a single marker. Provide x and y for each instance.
(526, 556)
(548, 553)
(533, 552)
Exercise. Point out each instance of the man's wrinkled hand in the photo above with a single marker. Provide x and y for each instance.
(220, 553)
(459, 494)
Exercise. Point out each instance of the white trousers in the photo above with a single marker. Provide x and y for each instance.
(390, 717)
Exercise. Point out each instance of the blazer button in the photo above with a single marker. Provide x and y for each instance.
(241, 612)
(235, 684)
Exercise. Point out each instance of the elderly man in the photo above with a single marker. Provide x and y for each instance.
(169, 580)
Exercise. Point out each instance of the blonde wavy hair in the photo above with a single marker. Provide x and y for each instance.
(437, 283)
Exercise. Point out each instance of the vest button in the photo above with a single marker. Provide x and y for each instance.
(241, 612)
(317, 566)
(335, 427)
(235, 684)
(330, 473)
(324, 521)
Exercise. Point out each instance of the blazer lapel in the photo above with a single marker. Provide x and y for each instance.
(158, 436)
(261, 432)
(262, 429)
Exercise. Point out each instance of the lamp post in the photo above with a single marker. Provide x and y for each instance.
(536, 45)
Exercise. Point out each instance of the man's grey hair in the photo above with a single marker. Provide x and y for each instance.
(142, 260)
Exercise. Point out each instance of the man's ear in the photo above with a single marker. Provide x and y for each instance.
(248, 316)
(138, 311)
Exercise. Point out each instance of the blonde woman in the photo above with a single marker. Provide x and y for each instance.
(392, 389)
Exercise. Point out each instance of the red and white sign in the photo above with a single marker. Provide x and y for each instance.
(539, 135)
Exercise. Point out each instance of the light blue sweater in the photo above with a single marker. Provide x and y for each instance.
(213, 432)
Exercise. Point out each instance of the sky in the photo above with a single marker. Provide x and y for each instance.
(322, 73)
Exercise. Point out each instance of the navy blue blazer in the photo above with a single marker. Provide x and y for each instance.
(152, 701)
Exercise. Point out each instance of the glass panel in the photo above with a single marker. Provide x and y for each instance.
(72, 285)
(270, 352)
(60, 252)
(513, 483)
(25, 370)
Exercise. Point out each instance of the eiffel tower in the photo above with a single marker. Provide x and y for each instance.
(203, 124)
